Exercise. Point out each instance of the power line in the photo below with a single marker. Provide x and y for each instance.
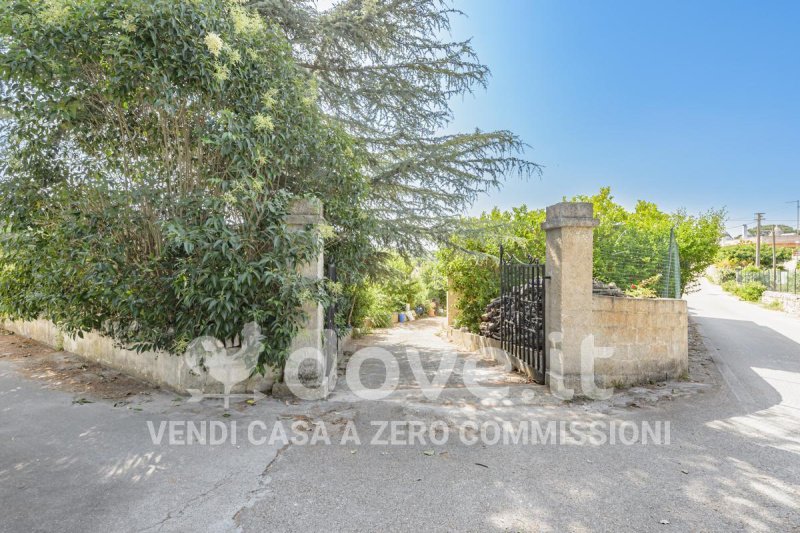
(753, 220)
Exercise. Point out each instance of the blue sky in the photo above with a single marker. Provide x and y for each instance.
(688, 104)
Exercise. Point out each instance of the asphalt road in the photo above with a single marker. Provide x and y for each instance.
(732, 462)
(757, 350)
(68, 466)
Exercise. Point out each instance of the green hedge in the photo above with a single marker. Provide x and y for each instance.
(750, 291)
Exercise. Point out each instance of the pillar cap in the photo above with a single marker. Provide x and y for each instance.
(570, 214)
(304, 211)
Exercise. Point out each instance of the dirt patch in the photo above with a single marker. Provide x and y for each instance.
(701, 366)
(68, 372)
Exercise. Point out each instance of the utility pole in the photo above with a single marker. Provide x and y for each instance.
(797, 227)
(758, 239)
(774, 259)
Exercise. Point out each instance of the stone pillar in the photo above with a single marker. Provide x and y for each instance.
(568, 308)
(314, 375)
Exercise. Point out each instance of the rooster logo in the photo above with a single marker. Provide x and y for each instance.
(229, 366)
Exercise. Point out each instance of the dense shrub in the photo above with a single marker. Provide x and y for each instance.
(730, 286)
(475, 281)
(723, 274)
(397, 282)
(368, 301)
(742, 255)
(150, 152)
(629, 248)
(631, 245)
(750, 291)
(471, 265)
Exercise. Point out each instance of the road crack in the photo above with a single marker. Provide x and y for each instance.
(177, 513)
(260, 492)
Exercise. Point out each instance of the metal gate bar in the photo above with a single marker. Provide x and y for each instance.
(522, 312)
(331, 335)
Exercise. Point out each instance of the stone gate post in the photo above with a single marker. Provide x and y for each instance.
(314, 375)
(569, 228)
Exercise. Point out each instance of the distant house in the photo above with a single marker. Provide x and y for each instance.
(788, 240)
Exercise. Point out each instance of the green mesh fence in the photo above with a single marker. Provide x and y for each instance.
(779, 280)
(642, 263)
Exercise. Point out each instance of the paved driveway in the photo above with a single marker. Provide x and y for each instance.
(733, 462)
(420, 347)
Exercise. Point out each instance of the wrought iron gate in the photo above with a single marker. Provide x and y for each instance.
(522, 314)
(331, 335)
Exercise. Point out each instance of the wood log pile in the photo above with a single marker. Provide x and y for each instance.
(526, 308)
(606, 289)
(490, 320)
(524, 305)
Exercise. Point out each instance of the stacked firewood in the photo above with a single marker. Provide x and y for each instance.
(525, 307)
(606, 289)
(526, 310)
(490, 320)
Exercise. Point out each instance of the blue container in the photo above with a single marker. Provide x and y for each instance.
(401, 317)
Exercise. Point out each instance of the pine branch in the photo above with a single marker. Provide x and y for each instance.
(385, 73)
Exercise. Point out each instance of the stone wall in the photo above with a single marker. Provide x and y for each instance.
(171, 371)
(649, 337)
(487, 347)
(470, 341)
(160, 368)
(789, 302)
